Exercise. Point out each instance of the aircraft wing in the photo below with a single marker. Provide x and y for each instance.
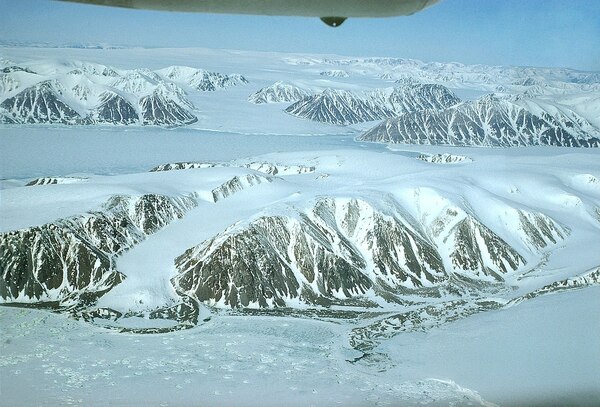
(330, 11)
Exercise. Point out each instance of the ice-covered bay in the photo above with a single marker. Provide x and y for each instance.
(28, 152)
(509, 356)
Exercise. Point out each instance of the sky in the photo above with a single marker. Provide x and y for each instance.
(552, 33)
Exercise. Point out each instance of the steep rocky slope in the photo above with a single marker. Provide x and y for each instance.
(489, 121)
(341, 250)
(72, 260)
(278, 92)
(41, 103)
(344, 107)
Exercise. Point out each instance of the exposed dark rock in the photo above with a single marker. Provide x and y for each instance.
(342, 107)
(51, 262)
(187, 165)
(416, 97)
(339, 107)
(277, 93)
(113, 109)
(311, 257)
(340, 249)
(200, 79)
(15, 68)
(160, 109)
(38, 104)
(264, 167)
(591, 278)
(487, 122)
(53, 181)
(444, 158)
(236, 184)
(73, 257)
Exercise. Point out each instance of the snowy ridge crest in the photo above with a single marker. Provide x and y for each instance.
(264, 167)
(343, 250)
(89, 94)
(341, 107)
(278, 92)
(490, 122)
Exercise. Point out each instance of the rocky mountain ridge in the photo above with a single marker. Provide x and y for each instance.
(343, 250)
(489, 121)
(72, 260)
(91, 93)
(279, 92)
(343, 107)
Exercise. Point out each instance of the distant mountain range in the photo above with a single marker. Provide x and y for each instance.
(343, 107)
(9, 43)
(519, 106)
(489, 121)
(89, 94)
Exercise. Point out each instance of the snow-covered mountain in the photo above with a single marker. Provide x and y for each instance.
(451, 73)
(303, 264)
(38, 104)
(263, 167)
(113, 109)
(45, 103)
(86, 93)
(72, 260)
(335, 73)
(342, 249)
(14, 68)
(277, 93)
(306, 256)
(160, 109)
(416, 97)
(489, 121)
(338, 107)
(343, 107)
(327, 250)
(200, 79)
(90, 93)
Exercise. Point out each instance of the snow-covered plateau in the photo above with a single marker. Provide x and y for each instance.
(207, 227)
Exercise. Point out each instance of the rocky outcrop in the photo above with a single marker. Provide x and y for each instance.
(72, 261)
(200, 79)
(15, 68)
(264, 167)
(237, 183)
(54, 180)
(444, 158)
(335, 73)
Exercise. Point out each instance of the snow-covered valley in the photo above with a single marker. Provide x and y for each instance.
(266, 251)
